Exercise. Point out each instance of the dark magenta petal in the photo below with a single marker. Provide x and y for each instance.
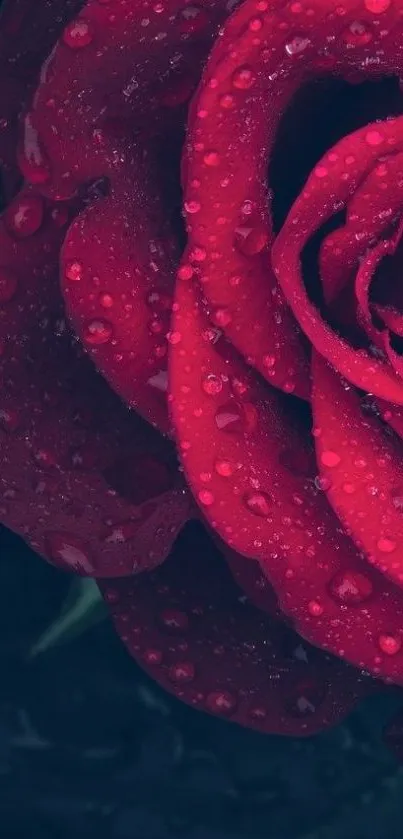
(251, 471)
(102, 93)
(28, 29)
(188, 625)
(88, 484)
(114, 64)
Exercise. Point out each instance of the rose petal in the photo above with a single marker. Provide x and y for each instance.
(83, 480)
(249, 577)
(315, 206)
(115, 64)
(256, 67)
(105, 99)
(28, 29)
(116, 272)
(264, 502)
(363, 468)
(187, 625)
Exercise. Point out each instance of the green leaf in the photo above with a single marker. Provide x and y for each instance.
(83, 608)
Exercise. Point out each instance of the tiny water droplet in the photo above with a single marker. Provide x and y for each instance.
(77, 34)
(350, 587)
(389, 644)
(97, 332)
(243, 78)
(74, 270)
(182, 672)
(212, 384)
(330, 459)
(258, 503)
(221, 702)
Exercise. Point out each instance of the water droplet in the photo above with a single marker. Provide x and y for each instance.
(152, 657)
(192, 207)
(182, 672)
(251, 240)
(74, 270)
(212, 385)
(24, 216)
(221, 702)
(243, 78)
(348, 488)
(69, 551)
(377, 7)
(77, 34)
(97, 332)
(174, 338)
(106, 300)
(357, 34)
(227, 101)
(185, 272)
(389, 644)
(211, 158)
(297, 45)
(221, 317)
(330, 459)
(258, 503)
(350, 587)
(174, 621)
(224, 468)
(315, 609)
(385, 545)
(8, 285)
(374, 137)
(206, 497)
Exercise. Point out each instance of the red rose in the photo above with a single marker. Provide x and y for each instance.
(276, 346)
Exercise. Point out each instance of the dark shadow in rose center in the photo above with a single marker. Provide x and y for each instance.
(320, 114)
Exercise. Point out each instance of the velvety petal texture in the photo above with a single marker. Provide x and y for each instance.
(196, 385)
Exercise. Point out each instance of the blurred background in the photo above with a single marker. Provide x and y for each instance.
(89, 747)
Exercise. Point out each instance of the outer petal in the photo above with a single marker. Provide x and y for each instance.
(28, 29)
(251, 473)
(100, 93)
(188, 626)
(86, 482)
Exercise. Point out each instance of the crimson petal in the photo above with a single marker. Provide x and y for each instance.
(363, 469)
(189, 627)
(254, 483)
(83, 480)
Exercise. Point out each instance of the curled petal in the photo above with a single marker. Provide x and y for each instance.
(264, 56)
(252, 474)
(188, 626)
(116, 274)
